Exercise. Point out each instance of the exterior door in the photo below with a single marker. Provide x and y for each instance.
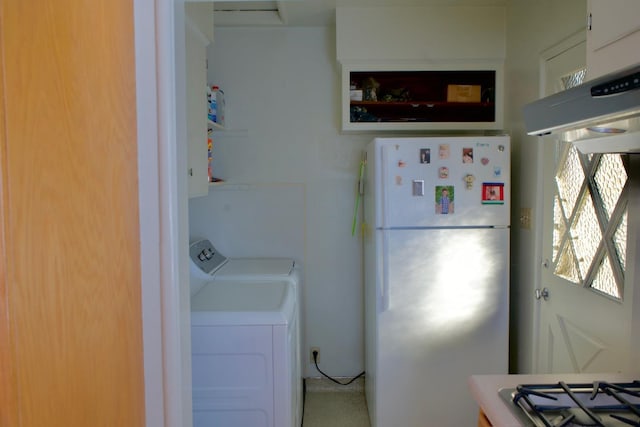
(585, 307)
(71, 332)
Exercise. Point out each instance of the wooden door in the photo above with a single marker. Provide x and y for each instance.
(70, 304)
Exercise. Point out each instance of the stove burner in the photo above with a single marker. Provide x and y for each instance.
(563, 405)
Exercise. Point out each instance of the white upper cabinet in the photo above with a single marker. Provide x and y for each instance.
(201, 14)
(420, 33)
(196, 107)
(421, 67)
(613, 35)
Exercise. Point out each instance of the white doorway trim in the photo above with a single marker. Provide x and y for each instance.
(163, 213)
(555, 50)
(148, 191)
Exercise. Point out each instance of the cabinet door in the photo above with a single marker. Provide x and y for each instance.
(196, 99)
(613, 36)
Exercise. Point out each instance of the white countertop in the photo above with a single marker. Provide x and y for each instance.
(484, 389)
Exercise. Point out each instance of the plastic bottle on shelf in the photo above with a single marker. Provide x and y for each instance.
(214, 100)
(212, 103)
(220, 107)
(210, 157)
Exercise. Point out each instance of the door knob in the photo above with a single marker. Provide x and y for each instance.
(542, 293)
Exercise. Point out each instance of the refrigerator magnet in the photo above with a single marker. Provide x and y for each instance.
(468, 180)
(467, 155)
(493, 193)
(443, 151)
(444, 199)
(425, 155)
(418, 187)
(443, 172)
(497, 171)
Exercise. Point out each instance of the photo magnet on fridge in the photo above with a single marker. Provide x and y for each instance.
(493, 193)
(467, 155)
(443, 151)
(425, 155)
(444, 199)
(443, 172)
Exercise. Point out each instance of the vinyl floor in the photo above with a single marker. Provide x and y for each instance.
(335, 409)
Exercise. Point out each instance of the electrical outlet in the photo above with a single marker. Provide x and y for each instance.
(525, 218)
(317, 359)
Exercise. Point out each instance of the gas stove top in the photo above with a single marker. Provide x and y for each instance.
(601, 403)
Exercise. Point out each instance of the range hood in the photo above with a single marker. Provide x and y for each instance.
(599, 116)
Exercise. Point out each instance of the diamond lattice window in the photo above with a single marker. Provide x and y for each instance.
(590, 214)
(590, 217)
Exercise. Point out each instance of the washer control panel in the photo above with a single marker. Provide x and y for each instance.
(205, 256)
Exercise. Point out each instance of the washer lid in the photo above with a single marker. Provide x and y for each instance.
(258, 267)
(234, 302)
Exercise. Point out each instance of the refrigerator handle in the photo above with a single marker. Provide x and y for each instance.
(384, 180)
(384, 291)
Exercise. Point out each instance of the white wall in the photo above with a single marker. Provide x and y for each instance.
(532, 28)
(282, 95)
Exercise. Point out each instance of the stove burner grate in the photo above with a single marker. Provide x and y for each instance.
(563, 405)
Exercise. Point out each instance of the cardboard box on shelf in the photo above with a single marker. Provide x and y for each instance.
(463, 93)
(355, 94)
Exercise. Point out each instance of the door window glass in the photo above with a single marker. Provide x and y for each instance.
(590, 216)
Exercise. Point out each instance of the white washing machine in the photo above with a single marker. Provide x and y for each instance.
(245, 333)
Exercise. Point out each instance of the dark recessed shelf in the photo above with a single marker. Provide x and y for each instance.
(421, 99)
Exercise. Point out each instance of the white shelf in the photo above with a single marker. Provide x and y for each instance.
(213, 125)
(231, 133)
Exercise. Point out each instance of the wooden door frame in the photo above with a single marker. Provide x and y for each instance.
(8, 415)
(163, 226)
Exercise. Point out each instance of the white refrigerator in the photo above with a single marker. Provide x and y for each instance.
(436, 275)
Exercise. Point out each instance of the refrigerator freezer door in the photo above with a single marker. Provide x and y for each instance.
(446, 318)
(443, 182)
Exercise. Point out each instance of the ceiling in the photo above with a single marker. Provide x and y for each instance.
(311, 12)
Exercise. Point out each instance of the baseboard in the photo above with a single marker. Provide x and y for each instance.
(321, 384)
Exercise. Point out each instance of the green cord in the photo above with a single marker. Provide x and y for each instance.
(358, 196)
